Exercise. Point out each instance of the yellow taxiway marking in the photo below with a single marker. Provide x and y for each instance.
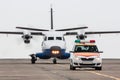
(100, 74)
(104, 75)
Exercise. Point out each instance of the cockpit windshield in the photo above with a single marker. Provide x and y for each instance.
(50, 38)
(54, 38)
(58, 38)
(86, 48)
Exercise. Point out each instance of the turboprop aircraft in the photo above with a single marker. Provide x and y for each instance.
(53, 45)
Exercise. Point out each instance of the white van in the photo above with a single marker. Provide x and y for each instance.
(85, 54)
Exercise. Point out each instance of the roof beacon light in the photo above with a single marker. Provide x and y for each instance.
(84, 41)
(77, 41)
(92, 41)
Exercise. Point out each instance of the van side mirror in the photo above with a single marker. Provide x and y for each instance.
(100, 51)
(71, 51)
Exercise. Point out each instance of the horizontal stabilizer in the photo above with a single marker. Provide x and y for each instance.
(69, 29)
(34, 29)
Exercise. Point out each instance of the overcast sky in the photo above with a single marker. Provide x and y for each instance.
(98, 15)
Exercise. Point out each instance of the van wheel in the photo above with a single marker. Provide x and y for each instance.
(72, 67)
(98, 68)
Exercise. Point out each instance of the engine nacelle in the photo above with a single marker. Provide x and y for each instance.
(81, 37)
(26, 38)
(27, 41)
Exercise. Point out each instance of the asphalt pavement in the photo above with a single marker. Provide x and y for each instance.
(22, 69)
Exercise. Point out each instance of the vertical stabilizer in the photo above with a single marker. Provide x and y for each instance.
(51, 18)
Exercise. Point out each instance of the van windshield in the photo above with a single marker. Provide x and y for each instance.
(86, 48)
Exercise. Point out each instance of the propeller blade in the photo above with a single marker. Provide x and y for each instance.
(34, 29)
(71, 29)
(102, 32)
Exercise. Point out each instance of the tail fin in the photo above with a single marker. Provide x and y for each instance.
(51, 18)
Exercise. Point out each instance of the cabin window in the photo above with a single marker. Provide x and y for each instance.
(58, 38)
(50, 38)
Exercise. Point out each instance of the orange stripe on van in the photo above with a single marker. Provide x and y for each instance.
(86, 54)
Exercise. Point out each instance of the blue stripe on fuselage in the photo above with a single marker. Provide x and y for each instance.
(46, 54)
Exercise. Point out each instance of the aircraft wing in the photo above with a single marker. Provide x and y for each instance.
(70, 33)
(101, 32)
(20, 33)
(37, 33)
(10, 32)
(92, 32)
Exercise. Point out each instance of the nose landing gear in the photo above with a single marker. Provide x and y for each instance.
(54, 61)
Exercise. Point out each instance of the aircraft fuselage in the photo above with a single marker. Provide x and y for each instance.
(53, 46)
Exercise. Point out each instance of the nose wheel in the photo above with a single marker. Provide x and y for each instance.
(54, 61)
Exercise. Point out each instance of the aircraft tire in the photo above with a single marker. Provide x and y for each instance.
(98, 68)
(33, 61)
(54, 61)
(33, 58)
(72, 67)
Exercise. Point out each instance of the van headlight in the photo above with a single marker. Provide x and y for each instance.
(98, 59)
(77, 58)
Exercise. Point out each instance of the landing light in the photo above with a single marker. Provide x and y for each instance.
(55, 52)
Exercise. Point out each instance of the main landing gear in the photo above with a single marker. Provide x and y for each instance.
(33, 58)
(54, 61)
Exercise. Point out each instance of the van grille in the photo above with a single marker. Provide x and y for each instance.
(87, 59)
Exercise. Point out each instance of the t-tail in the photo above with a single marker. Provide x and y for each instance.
(51, 15)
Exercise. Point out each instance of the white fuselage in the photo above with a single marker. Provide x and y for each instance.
(53, 39)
